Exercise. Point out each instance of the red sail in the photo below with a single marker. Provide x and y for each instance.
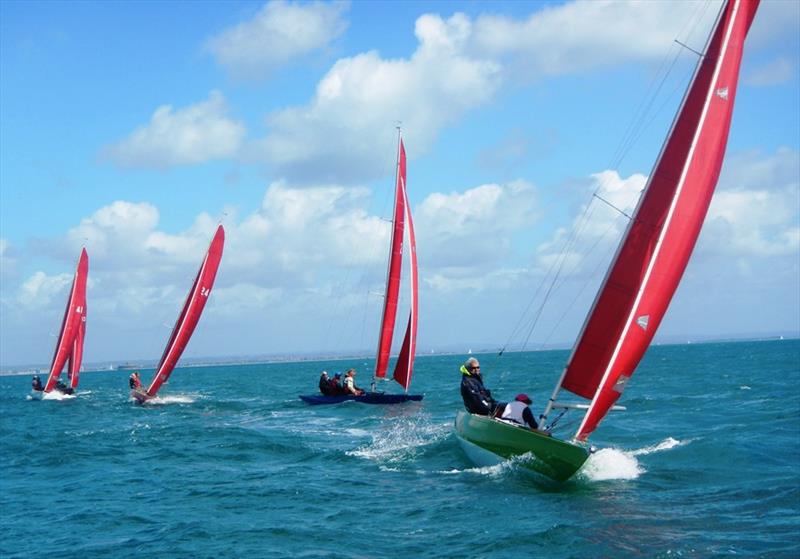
(395, 265)
(658, 243)
(405, 361)
(192, 310)
(75, 358)
(71, 321)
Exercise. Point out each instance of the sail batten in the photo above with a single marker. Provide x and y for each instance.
(190, 313)
(659, 240)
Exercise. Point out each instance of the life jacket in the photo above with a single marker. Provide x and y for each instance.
(514, 411)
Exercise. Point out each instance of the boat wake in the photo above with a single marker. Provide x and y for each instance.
(614, 464)
(165, 400)
(57, 396)
(402, 440)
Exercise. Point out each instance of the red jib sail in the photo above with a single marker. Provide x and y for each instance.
(662, 233)
(395, 266)
(405, 361)
(191, 312)
(74, 315)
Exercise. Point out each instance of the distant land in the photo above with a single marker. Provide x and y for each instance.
(461, 349)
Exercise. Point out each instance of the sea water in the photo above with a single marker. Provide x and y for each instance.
(228, 462)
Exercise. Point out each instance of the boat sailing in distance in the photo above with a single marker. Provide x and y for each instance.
(187, 319)
(646, 269)
(404, 367)
(69, 347)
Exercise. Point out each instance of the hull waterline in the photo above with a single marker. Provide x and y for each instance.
(368, 398)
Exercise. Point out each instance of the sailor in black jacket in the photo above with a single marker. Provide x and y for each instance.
(477, 398)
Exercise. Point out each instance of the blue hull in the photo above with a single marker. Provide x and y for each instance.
(368, 398)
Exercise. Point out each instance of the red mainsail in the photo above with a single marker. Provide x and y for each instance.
(74, 315)
(191, 312)
(404, 367)
(656, 248)
(395, 267)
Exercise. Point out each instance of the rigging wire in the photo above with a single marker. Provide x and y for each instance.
(642, 119)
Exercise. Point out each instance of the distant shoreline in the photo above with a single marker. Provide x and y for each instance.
(272, 359)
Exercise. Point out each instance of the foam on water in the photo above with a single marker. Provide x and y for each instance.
(612, 463)
(402, 440)
(173, 399)
(57, 396)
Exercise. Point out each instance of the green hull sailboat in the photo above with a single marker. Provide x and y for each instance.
(647, 267)
(549, 456)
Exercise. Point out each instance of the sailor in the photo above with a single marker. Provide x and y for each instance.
(36, 383)
(325, 384)
(134, 382)
(519, 412)
(350, 383)
(336, 385)
(477, 398)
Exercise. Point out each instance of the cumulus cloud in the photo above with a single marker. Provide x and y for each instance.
(465, 236)
(596, 227)
(589, 34)
(40, 289)
(189, 136)
(361, 97)
(756, 211)
(277, 34)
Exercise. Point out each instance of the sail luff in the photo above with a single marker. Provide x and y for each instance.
(190, 313)
(69, 324)
(394, 268)
(659, 241)
(404, 367)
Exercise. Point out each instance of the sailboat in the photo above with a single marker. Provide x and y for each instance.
(646, 268)
(187, 319)
(404, 367)
(69, 346)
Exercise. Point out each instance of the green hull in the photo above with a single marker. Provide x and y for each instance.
(551, 457)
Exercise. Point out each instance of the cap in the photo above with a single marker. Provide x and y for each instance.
(523, 398)
(337, 375)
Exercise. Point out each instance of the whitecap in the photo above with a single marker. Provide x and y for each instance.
(611, 463)
(172, 399)
(666, 444)
(744, 387)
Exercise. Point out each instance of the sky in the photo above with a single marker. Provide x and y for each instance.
(134, 128)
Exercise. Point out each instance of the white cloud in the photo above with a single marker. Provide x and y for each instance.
(40, 289)
(596, 226)
(279, 33)
(361, 97)
(464, 238)
(189, 136)
(756, 210)
(587, 34)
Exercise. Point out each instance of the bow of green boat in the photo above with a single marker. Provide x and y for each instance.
(549, 456)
